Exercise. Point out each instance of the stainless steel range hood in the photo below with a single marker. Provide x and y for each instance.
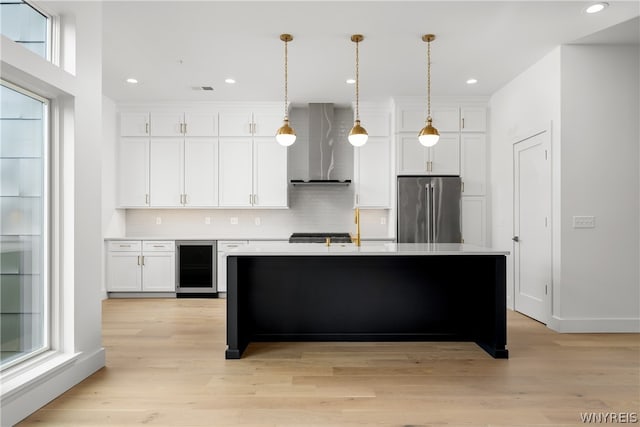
(325, 150)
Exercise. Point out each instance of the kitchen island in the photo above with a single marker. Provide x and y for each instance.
(375, 292)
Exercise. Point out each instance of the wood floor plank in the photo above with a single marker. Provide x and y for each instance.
(166, 367)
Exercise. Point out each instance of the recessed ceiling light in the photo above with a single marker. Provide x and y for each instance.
(597, 7)
(229, 81)
(351, 81)
(132, 81)
(472, 81)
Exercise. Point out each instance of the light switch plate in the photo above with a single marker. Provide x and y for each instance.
(207, 220)
(584, 222)
(158, 220)
(234, 220)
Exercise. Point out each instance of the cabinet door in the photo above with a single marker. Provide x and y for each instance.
(133, 172)
(269, 173)
(201, 124)
(372, 173)
(235, 123)
(445, 155)
(377, 123)
(446, 118)
(124, 272)
(167, 124)
(267, 123)
(166, 172)
(411, 119)
(412, 156)
(201, 172)
(159, 272)
(473, 119)
(134, 124)
(473, 220)
(235, 172)
(473, 164)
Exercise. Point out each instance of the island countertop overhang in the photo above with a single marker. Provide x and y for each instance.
(367, 249)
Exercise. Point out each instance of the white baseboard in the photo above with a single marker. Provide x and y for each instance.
(37, 391)
(594, 325)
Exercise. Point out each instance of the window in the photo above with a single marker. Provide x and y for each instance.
(24, 24)
(24, 220)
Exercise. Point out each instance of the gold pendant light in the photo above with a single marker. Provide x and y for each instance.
(286, 135)
(429, 135)
(358, 135)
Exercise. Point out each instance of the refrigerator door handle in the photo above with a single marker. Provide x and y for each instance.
(428, 209)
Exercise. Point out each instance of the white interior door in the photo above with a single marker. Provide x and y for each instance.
(532, 227)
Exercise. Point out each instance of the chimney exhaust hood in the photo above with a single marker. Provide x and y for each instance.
(324, 150)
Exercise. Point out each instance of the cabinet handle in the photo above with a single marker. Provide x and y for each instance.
(142, 259)
(185, 128)
(186, 200)
(146, 199)
(138, 259)
(146, 128)
(463, 186)
(357, 199)
(250, 198)
(158, 246)
(125, 246)
(255, 199)
(463, 123)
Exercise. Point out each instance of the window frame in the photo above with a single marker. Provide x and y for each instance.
(46, 229)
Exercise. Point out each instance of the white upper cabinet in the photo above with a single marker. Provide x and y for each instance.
(134, 124)
(167, 124)
(183, 124)
(372, 172)
(236, 123)
(236, 172)
(200, 124)
(248, 122)
(133, 172)
(441, 159)
(269, 173)
(200, 172)
(167, 172)
(446, 118)
(473, 164)
(253, 172)
(473, 119)
(267, 123)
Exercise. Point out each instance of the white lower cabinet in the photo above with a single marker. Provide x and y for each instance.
(141, 266)
(473, 220)
(223, 248)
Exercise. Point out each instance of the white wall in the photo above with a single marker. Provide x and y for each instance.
(528, 104)
(600, 139)
(588, 97)
(77, 212)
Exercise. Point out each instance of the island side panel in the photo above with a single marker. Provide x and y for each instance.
(492, 329)
(237, 330)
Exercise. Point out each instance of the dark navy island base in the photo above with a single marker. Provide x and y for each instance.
(366, 298)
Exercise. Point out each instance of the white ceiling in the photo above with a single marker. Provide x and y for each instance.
(173, 46)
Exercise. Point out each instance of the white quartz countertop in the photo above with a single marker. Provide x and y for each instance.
(219, 238)
(367, 248)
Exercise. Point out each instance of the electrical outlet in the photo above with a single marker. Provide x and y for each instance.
(234, 220)
(584, 222)
(158, 220)
(256, 220)
(383, 220)
(207, 220)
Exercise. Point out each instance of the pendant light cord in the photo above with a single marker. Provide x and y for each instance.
(286, 80)
(429, 80)
(357, 81)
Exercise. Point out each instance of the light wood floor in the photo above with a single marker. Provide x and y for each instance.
(166, 366)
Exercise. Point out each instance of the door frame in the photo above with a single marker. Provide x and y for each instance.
(546, 131)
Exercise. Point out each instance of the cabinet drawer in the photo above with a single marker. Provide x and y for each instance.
(125, 246)
(158, 246)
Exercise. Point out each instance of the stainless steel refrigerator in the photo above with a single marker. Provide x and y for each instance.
(429, 209)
